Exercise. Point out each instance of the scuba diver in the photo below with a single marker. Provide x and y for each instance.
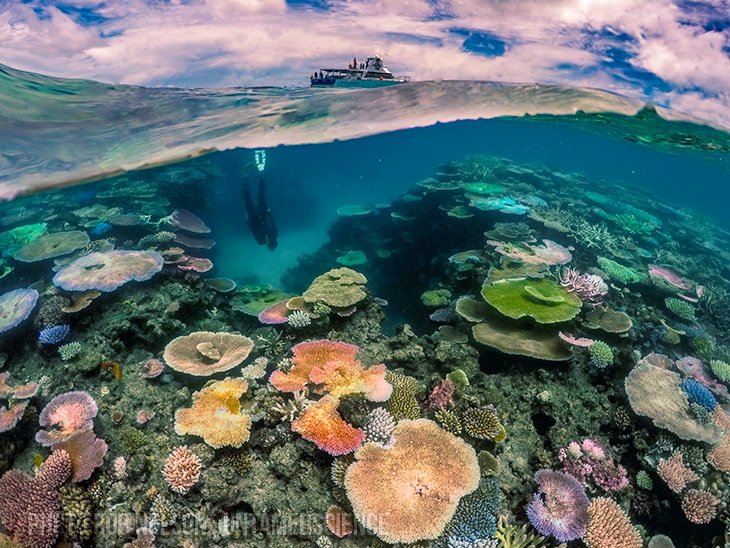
(258, 217)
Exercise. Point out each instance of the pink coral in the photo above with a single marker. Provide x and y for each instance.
(9, 417)
(675, 473)
(145, 415)
(277, 313)
(560, 507)
(70, 413)
(152, 369)
(695, 368)
(86, 452)
(441, 395)
(29, 506)
(182, 469)
(307, 355)
(593, 461)
(589, 287)
(700, 506)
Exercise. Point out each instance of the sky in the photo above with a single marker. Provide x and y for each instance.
(676, 54)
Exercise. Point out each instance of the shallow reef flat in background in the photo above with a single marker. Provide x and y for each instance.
(494, 340)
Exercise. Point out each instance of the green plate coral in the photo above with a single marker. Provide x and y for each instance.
(543, 300)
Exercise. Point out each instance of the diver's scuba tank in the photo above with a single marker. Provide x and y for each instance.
(259, 157)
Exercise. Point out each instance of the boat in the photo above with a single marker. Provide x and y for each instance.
(372, 73)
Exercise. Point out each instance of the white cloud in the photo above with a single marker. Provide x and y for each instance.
(266, 42)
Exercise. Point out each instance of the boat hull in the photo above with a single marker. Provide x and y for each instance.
(351, 83)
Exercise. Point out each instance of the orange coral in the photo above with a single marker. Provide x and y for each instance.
(216, 415)
(320, 423)
(338, 521)
(332, 364)
(410, 492)
(675, 473)
(342, 378)
(308, 355)
(610, 527)
(719, 455)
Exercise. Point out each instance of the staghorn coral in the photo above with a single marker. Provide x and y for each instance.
(403, 403)
(681, 308)
(77, 514)
(610, 527)
(483, 423)
(25, 499)
(700, 506)
(512, 537)
(474, 521)
(449, 421)
(182, 469)
(70, 350)
(601, 354)
(379, 428)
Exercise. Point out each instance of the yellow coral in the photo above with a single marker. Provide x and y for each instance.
(216, 415)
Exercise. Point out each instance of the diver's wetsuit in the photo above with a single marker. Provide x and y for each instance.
(259, 218)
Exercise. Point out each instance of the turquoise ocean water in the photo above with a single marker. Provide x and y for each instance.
(469, 195)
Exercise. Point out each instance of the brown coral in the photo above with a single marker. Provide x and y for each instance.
(204, 353)
(340, 287)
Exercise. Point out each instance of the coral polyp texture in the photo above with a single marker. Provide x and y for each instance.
(204, 353)
(410, 493)
(107, 271)
(216, 415)
(182, 469)
(30, 509)
(68, 414)
(560, 507)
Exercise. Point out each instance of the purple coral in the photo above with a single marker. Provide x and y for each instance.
(29, 506)
(441, 395)
(560, 507)
(54, 335)
(589, 287)
(591, 460)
